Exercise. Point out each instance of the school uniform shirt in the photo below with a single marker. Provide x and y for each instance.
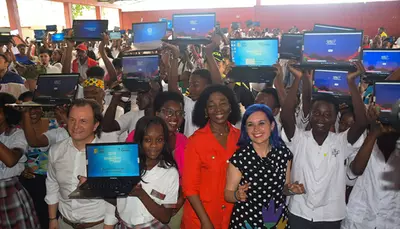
(375, 199)
(14, 139)
(204, 174)
(322, 170)
(156, 181)
(127, 122)
(190, 128)
(65, 164)
(50, 69)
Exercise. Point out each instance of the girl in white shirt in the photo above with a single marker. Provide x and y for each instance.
(151, 202)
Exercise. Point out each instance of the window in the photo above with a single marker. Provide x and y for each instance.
(112, 15)
(4, 21)
(37, 13)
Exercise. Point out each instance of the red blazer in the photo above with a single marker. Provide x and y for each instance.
(90, 62)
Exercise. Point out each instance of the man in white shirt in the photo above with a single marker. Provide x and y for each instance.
(67, 161)
(375, 201)
(319, 156)
(44, 56)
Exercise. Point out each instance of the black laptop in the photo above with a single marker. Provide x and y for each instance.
(89, 30)
(331, 50)
(112, 171)
(192, 28)
(53, 90)
(380, 63)
(253, 59)
(331, 28)
(386, 94)
(290, 47)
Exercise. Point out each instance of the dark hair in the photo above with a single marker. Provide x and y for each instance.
(244, 139)
(25, 95)
(21, 45)
(5, 57)
(165, 96)
(108, 52)
(97, 115)
(117, 62)
(199, 113)
(327, 98)
(91, 54)
(95, 72)
(45, 51)
(272, 91)
(166, 157)
(203, 73)
(12, 116)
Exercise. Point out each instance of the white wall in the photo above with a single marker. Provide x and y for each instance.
(4, 22)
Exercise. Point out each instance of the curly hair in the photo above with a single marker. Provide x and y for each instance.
(199, 112)
(165, 96)
(12, 116)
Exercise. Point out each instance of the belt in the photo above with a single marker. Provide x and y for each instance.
(81, 225)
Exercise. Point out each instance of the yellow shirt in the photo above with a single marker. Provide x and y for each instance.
(383, 34)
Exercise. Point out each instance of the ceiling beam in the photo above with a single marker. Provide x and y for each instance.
(89, 2)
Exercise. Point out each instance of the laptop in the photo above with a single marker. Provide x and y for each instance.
(139, 70)
(169, 23)
(290, 47)
(386, 94)
(253, 59)
(112, 171)
(85, 30)
(333, 82)
(39, 34)
(192, 28)
(53, 90)
(333, 51)
(148, 35)
(331, 28)
(380, 63)
(51, 28)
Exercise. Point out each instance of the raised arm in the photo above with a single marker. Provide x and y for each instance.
(211, 63)
(109, 66)
(68, 57)
(10, 157)
(170, 60)
(360, 116)
(109, 122)
(33, 139)
(278, 82)
(307, 91)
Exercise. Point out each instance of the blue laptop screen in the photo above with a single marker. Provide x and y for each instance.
(89, 29)
(57, 37)
(39, 34)
(263, 52)
(169, 23)
(386, 94)
(332, 82)
(149, 32)
(381, 61)
(193, 26)
(142, 68)
(114, 160)
(332, 48)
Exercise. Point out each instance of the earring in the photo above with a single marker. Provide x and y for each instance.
(206, 116)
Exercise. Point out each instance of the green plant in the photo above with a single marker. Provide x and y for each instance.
(78, 10)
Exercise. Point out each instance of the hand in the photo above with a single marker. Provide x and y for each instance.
(28, 173)
(241, 193)
(297, 188)
(216, 41)
(173, 49)
(360, 71)
(82, 180)
(296, 72)
(343, 106)
(278, 71)
(372, 113)
(53, 224)
(105, 39)
(70, 43)
(137, 191)
(308, 74)
(61, 114)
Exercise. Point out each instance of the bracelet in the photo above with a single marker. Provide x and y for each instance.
(51, 219)
(291, 192)
(234, 195)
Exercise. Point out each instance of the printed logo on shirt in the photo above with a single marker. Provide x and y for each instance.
(335, 152)
(157, 194)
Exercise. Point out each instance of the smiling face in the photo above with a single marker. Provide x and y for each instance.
(81, 123)
(55, 56)
(259, 128)
(153, 141)
(172, 113)
(323, 117)
(346, 121)
(218, 108)
(197, 84)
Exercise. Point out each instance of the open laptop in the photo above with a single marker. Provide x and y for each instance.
(333, 82)
(53, 90)
(192, 28)
(331, 28)
(39, 34)
(334, 51)
(386, 94)
(290, 47)
(148, 35)
(253, 59)
(85, 30)
(139, 70)
(112, 171)
(380, 63)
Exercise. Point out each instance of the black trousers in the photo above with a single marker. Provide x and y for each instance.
(36, 188)
(296, 222)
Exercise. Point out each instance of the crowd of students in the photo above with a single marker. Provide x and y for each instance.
(220, 154)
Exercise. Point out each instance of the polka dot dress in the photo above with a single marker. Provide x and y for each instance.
(265, 205)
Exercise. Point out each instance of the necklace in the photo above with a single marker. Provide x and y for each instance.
(220, 133)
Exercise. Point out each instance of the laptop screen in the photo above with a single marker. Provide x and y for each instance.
(291, 45)
(57, 37)
(331, 28)
(39, 34)
(381, 61)
(255, 52)
(115, 35)
(56, 87)
(148, 32)
(193, 26)
(112, 160)
(169, 23)
(332, 82)
(332, 48)
(386, 94)
(89, 29)
(142, 68)
(51, 27)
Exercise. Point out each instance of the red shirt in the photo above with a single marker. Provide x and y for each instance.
(90, 62)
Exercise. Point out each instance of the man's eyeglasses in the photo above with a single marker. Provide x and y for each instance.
(169, 112)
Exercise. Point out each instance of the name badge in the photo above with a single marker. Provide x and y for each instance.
(157, 194)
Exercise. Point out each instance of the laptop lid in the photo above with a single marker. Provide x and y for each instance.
(115, 35)
(149, 31)
(89, 29)
(254, 52)
(331, 28)
(381, 61)
(332, 82)
(340, 49)
(139, 70)
(193, 26)
(112, 160)
(39, 34)
(290, 47)
(56, 88)
(51, 27)
(386, 93)
(57, 37)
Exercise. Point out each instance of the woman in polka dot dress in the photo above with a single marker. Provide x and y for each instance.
(258, 174)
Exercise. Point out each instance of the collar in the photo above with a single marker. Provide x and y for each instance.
(95, 140)
(207, 128)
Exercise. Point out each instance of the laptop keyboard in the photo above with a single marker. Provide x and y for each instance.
(109, 184)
